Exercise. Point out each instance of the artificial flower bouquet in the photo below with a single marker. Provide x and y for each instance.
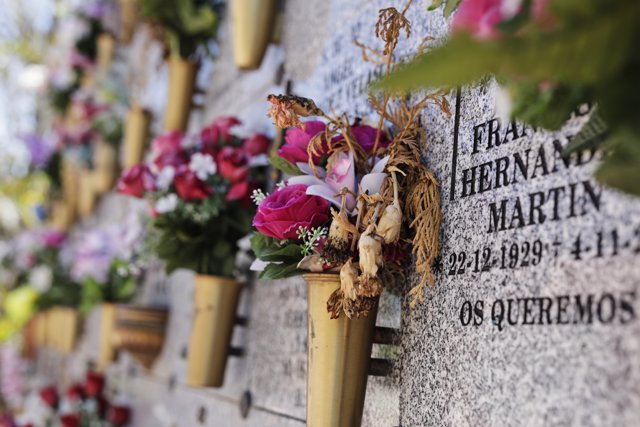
(356, 199)
(107, 262)
(199, 189)
(82, 404)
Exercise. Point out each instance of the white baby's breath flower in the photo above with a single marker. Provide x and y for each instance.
(202, 165)
(165, 177)
(40, 278)
(280, 185)
(258, 196)
(167, 203)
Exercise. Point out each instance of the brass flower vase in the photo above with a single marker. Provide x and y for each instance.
(182, 81)
(61, 215)
(68, 321)
(70, 177)
(252, 24)
(215, 305)
(86, 193)
(140, 331)
(106, 46)
(105, 160)
(338, 356)
(106, 349)
(136, 133)
(128, 19)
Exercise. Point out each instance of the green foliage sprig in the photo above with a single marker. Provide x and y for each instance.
(187, 24)
(587, 54)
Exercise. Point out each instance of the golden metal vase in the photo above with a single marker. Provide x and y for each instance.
(136, 133)
(128, 19)
(86, 193)
(106, 349)
(70, 177)
(338, 356)
(62, 215)
(252, 23)
(182, 81)
(106, 46)
(215, 306)
(105, 161)
(68, 321)
(140, 331)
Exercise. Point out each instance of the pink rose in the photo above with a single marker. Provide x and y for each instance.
(478, 17)
(366, 137)
(189, 186)
(281, 213)
(136, 180)
(233, 164)
(168, 143)
(53, 238)
(297, 139)
(257, 144)
(219, 132)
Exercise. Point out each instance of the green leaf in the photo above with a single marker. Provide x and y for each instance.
(583, 53)
(270, 250)
(591, 136)
(285, 166)
(620, 166)
(450, 7)
(280, 271)
(92, 294)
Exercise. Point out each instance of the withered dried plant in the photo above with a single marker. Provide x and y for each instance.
(368, 253)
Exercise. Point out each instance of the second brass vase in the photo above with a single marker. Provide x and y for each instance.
(136, 133)
(252, 23)
(106, 349)
(338, 356)
(105, 164)
(215, 305)
(182, 81)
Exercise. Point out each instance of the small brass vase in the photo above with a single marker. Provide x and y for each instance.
(106, 46)
(86, 193)
(61, 215)
(70, 177)
(338, 356)
(68, 322)
(106, 349)
(252, 23)
(136, 133)
(182, 81)
(128, 19)
(215, 306)
(105, 160)
(140, 331)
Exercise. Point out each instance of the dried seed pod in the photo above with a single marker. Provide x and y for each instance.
(338, 231)
(370, 249)
(390, 223)
(348, 279)
(369, 287)
(334, 304)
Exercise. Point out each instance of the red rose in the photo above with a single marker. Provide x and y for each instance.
(219, 133)
(297, 139)
(366, 137)
(136, 180)
(189, 186)
(75, 392)
(281, 213)
(94, 384)
(233, 164)
(119, 415)
(171, 158)
(241, 191)
(50, 396)
(70, 420)
(103, 405)
(257, 144)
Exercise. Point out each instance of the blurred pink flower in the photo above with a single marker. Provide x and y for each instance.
(478, 17)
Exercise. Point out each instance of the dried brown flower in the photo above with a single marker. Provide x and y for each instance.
(369, 286)
(348, 279)
(286, 110)
(370, 249)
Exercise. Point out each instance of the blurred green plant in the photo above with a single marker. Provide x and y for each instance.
(187, 24)
(585, 53)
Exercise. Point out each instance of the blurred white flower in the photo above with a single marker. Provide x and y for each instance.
(165, 177)
(40, 278)
(167, 203)
(202, 165)
(503, 104)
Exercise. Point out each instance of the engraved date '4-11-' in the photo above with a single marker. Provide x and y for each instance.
(515, 255)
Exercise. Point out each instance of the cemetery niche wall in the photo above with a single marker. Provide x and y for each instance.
(533, 319)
